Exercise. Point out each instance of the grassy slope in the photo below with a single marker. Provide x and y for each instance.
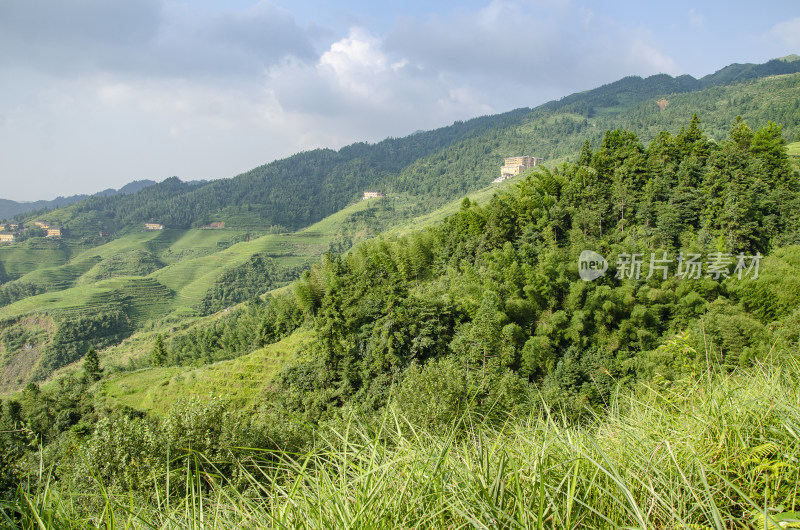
(716, 451)
(21, 258)
(165, 300)
(244, 381)
(194, 260)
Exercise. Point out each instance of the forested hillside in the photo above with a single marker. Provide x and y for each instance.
(470, 337)
(440, 165)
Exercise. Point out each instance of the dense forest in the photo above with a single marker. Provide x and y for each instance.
(469, 333)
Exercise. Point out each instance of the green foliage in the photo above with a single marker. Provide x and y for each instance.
(502, 285)
(158, 357)
(707, 455)
(75, 335)
(17, 290)
(258, 275)
(91, 365)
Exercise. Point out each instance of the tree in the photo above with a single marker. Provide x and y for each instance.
(159, 353)
(91, 364)
(768, 146)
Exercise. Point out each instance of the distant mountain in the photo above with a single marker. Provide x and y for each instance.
(437, 166)
(9, 208)
(735, 72)
(132, 187)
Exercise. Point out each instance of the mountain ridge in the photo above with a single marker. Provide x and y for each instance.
(10, 208)
(301, 189)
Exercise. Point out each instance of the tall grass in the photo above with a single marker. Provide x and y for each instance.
(721, 452)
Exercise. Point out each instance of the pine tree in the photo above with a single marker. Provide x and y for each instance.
(91, 364)
(159, 353)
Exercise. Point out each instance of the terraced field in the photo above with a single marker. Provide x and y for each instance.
(24, 257)
(142, 298)
(245, 380)
(156, 278)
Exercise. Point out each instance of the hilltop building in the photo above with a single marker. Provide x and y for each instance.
(153, 226)
(371, 194)
(41, 224)
(6, 238)
(516, 165)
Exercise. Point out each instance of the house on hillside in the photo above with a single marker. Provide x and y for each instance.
(53, 232)
(41, 224)
(216, 225)
(6, 238)
(153, 226)
(516, 165)
(371, 194)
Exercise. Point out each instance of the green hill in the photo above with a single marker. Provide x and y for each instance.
(476, 351)
(158, 278)
(607, 340)
(425, 175)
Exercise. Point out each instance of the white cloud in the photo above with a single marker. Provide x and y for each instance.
(360, 91)
(537, 50)
(199, 95)
(787, 33)
(356, 63)
(696, 19)
(146, 38)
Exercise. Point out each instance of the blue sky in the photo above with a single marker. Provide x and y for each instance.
(97, 93)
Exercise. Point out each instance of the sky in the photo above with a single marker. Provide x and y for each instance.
(98, 93)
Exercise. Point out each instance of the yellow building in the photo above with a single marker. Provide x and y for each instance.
(53, 232)
(516, 165)
(372, 195)
(6, 238)
(153, 226)
(41, 224)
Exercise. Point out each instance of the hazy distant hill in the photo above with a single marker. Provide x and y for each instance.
(9, 208)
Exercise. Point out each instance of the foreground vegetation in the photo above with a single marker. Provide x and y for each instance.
(716, 451)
